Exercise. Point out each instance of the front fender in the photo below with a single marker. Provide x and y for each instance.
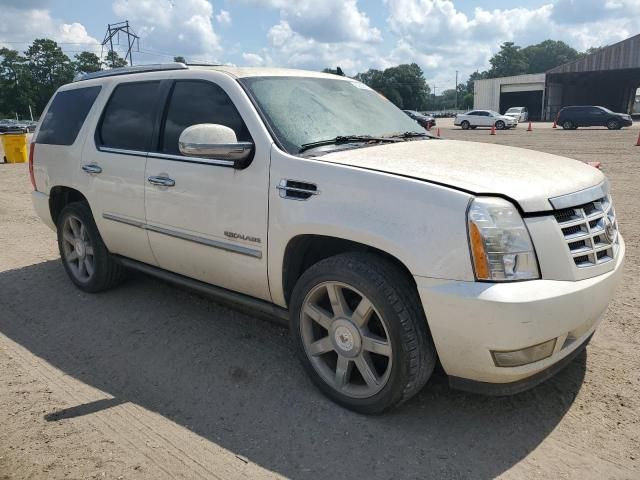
(421, 224)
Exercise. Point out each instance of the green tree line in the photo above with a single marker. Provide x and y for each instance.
(28, 79)
(406, 86)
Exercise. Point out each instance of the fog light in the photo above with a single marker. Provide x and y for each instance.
(515, 358)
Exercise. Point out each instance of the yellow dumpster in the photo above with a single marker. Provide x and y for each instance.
(15, 147)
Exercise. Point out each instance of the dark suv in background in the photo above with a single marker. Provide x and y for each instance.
(571, 118)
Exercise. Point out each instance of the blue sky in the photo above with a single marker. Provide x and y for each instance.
(442, 36)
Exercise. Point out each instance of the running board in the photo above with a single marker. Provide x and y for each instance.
(274, 312)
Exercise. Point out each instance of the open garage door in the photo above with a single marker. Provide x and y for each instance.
(531, 99)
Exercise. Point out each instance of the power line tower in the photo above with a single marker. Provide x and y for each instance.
(114, 30)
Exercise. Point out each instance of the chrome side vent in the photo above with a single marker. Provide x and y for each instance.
(297, 190)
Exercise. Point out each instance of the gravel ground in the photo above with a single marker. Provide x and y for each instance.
(150, 381)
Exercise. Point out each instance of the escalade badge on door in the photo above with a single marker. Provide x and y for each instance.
(240, 236)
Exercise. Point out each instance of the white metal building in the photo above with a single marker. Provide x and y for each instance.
(500, 94)
(608, 77)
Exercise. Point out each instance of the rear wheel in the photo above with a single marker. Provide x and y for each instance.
(465, 125)
(569, 125)
(84, 255)
(361, 333)
(614, 124)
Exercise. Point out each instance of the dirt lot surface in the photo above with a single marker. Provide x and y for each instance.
(149, 381)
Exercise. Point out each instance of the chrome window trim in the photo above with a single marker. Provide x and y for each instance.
(230, 247)
(580, 197)
(122, 151)
(181, 158)
(166, 156)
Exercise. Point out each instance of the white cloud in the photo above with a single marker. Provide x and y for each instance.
(170, 27)
(253, 59)
(26, 24)
(441, 38)
(224, 17)
(329, 21)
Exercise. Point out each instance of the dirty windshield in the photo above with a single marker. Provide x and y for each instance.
(305, 110)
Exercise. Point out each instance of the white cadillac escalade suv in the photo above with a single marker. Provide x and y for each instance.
(311, 197)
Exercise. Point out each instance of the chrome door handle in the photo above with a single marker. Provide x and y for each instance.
(92, 168)
(162, 181)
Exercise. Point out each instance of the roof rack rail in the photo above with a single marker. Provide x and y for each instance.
(153, 67)
(189, 64)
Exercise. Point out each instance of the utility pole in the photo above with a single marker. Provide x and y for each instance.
(114, 30)
(456, 90)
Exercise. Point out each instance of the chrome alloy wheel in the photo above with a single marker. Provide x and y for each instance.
(346, 339)
(77, 248)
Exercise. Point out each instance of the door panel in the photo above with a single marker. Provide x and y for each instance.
(192, 225)
(116, 193)
(210, 225)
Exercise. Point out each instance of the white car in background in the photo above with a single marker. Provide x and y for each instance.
(484, 118)
(521, 114)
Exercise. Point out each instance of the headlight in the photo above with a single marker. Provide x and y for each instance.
(501, 247)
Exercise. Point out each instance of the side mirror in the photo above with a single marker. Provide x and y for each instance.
(210, 140)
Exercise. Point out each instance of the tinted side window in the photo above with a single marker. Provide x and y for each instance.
(128, 119)
(194, 102)
(66, 115)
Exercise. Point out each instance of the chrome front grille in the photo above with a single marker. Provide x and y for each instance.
(591, 232)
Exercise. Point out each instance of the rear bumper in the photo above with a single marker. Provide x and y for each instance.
(469, 320)
(41, 206)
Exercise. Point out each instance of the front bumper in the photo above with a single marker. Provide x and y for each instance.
(468, 320)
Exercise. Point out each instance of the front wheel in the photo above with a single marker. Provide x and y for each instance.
(361, 333)
(568, 125)
(465, 125)
(500, 125)
(84, 255)
(614, 124)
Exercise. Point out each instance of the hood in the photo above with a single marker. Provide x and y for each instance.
(526, 176)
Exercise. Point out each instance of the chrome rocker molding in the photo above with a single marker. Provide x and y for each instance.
(581, 197)
(230, 247)
(274, 312)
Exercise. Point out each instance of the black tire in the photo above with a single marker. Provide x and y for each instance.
(107, 271)
(568, 125)
(614, 124)
(500, 125)
(465, 125)
(394, 296)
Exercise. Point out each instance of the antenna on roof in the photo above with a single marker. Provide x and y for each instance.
(114, 30)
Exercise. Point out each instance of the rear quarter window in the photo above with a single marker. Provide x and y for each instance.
(66, 114)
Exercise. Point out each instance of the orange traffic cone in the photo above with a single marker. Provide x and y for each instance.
(493, 129)
(638, 142)
(438, 132)
(555, 125)
(529, 129)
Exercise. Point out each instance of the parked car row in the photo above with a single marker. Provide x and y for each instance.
(9, 125)
(426, 121)
(569, 118)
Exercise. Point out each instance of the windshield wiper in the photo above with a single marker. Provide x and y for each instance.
(412, 135)
(342, 139)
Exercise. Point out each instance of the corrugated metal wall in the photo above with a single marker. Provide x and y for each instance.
(625, 54)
